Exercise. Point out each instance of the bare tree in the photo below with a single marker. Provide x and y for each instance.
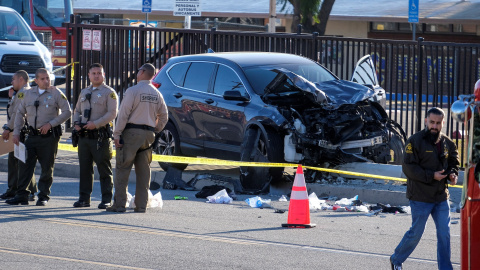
(312, 14)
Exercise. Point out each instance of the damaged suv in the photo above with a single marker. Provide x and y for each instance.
(274, 107)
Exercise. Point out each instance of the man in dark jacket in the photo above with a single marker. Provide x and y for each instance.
(431, 161)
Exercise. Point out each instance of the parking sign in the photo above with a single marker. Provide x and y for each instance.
(147, 6)
(413, 11)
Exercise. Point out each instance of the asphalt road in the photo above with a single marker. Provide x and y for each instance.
(193, 234)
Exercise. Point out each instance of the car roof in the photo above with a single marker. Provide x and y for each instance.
(245, 59)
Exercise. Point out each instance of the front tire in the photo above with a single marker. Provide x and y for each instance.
(258, 146)
(397, 149)
(169, 145)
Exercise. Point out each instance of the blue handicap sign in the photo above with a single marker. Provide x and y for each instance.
(147, 6)
(413, 11)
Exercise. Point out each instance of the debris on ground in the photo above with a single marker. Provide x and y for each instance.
(212, 190)
(258, 202)
(220, 197)
(154, 201)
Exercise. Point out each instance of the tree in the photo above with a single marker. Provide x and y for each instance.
(312, 14)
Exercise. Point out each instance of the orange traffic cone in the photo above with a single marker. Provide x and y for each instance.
(299, 209)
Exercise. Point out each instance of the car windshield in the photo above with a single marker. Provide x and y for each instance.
(12, 27)
(261, 76)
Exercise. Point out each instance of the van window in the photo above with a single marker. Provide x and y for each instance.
(12, 27)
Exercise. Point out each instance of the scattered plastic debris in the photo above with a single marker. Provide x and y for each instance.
(283, 198)
(178, 197)
(154, 201)
(315, 203)
(257, 202)
(220, 197)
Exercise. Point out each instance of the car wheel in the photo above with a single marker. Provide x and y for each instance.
(397, 149)
(169, 144)
(260, 147)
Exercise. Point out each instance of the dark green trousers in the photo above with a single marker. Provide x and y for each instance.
(87, 155)
(43, 149)
(13, 176)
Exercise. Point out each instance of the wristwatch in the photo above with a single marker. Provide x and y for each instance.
(5, 127)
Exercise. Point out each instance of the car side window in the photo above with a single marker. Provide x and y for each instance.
(198, 76)
(177, 73)
(227, 80)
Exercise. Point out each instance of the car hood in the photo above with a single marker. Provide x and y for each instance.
(329, 94)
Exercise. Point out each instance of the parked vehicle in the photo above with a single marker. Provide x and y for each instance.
(19, 48)
(466, 110)
(273, 107)
(46, 18)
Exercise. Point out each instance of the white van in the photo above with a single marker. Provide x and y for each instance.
(20, 48)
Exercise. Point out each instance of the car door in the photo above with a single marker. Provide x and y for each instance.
(224, 125)
(365, 74)
(191, 106)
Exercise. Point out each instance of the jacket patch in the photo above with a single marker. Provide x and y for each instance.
(409, 149)
(113, 96)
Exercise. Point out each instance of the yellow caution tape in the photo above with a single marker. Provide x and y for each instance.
(220, 162)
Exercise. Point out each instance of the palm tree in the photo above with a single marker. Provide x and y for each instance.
(312, 14)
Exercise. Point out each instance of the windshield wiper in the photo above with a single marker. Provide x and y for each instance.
(40, 15)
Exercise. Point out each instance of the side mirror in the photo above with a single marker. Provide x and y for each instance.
(40, 37)
(234, 95)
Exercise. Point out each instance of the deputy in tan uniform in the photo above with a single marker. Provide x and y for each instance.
(19, 85)
(95, 110)
(41, 106)
(142, 113)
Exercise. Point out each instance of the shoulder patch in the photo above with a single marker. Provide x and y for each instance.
(20, 95)
(113, 96)
(409, 148)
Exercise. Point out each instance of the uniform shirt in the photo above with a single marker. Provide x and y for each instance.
(13, 102)
(142, 105)
(103, 106)
(422, 159)
(48, 111)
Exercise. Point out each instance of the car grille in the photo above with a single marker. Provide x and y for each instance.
(13, 62)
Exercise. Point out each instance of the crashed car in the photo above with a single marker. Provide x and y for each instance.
(274, 107)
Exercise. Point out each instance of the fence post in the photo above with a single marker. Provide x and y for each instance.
(299, 29)
(315, 49)
(419, 83)
(141, 53)
(77, 45)
(213, 39)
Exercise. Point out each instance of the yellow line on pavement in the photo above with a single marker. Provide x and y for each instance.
(11, 251)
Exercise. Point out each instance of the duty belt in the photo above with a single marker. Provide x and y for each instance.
(130, 125)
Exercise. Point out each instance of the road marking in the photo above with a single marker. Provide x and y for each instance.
(14, 251)
(229, 240)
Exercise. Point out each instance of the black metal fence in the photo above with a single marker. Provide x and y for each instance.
(416, 75)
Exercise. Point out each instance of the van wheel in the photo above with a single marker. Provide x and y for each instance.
(169, 145)
(260, 147)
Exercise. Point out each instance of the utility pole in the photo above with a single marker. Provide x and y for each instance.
(273, 16)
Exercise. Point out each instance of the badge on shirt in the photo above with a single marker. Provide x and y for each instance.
(99, 95)
(113, 96)
(445, 150)
(20, 95)
(409, 148)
